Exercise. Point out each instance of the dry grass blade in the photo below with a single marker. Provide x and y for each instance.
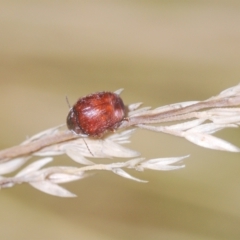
(196, 122)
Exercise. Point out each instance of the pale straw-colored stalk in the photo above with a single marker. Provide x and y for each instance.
(198, 120)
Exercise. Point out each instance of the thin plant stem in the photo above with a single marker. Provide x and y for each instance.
(166, 116)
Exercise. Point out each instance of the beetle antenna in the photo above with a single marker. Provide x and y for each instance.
(68, 102)
(88, 147)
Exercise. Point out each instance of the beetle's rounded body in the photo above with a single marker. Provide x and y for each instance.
(94, 114)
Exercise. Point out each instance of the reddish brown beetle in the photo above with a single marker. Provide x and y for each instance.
(96, 113)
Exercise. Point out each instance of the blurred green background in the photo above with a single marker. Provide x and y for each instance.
(160, 52)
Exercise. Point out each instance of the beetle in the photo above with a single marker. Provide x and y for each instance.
(95, 114)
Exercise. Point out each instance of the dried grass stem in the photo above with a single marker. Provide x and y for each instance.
(26, 149)
(165, 116)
